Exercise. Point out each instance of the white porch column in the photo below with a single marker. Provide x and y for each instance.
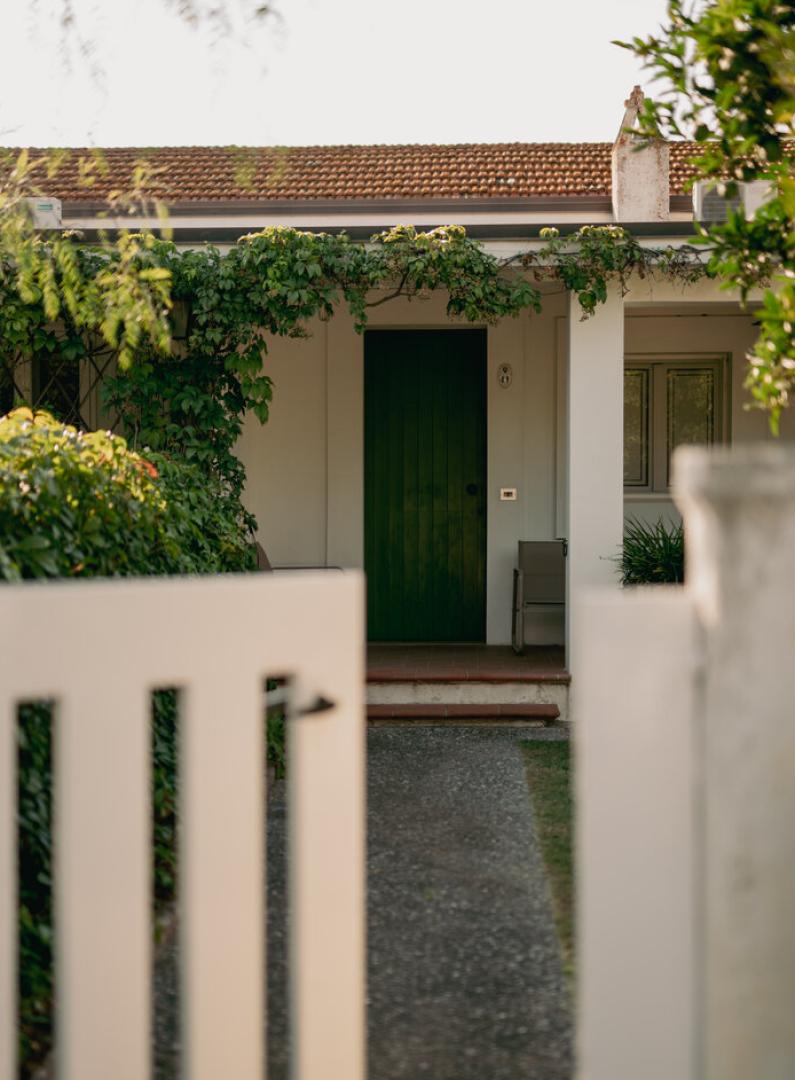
(595, 452)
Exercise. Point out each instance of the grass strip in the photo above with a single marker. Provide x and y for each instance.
(547, 768)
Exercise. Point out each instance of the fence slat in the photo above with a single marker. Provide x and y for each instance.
(8, 888)
(636, 836)
(222, 875)
(102, 879)
(327, 855)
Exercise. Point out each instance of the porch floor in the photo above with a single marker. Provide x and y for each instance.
(465, 663)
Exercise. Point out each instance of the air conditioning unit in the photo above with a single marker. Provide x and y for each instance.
(755, 194)
(46, 212)
(712, 208)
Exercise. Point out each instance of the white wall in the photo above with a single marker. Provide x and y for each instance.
(285, 459)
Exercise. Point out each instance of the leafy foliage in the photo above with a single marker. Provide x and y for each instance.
(116, 289)
(35, 881)
(587, 261)
(77, 504)
(191, 327)
(272, 283)
(727, 68)
(165, 705)
(652, 554)
(188, 395)
(276, 735)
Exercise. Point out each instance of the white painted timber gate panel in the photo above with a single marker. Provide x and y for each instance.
(98, 649)
(685, 761)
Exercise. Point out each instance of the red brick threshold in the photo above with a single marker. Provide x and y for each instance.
(543, 714)
(418, 675)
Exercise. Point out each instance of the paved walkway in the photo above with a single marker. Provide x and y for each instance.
(464, 973)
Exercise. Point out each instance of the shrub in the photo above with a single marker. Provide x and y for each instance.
(652, 554)
(77, 504)
(81, 504)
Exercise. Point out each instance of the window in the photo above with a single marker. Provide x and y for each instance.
(668, 402)
(56, 387)
(6, 390)
(65, 379)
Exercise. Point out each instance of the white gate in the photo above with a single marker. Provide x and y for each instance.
(99, 649)
(685, 750)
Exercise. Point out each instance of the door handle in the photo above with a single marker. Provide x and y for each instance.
(472, 489)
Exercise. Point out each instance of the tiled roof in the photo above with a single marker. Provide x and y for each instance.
(467, 171)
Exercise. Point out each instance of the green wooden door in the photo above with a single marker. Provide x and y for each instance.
(425, 484)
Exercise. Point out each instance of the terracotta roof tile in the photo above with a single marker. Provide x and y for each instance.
(477, 170)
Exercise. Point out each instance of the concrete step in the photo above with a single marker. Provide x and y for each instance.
(491, 695)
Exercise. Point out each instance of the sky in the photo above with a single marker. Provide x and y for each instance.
(326, 72)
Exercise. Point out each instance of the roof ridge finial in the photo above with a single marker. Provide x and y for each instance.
(632, 107)
(635, 98)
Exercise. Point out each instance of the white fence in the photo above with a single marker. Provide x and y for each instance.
(99, 649)
(685, 749)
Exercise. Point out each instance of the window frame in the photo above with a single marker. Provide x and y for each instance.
(658, 365)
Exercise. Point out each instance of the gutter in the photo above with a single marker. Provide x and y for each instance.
(228, 235)
(547, 204)
(235, 207)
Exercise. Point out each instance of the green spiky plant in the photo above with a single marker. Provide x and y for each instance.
(652, 554)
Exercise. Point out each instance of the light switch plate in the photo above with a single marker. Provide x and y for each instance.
(507, 494)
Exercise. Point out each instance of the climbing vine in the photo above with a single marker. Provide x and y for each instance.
(588, 261)
(271, 284)
(188, 330)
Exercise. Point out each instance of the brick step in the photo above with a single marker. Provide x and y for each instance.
(488, 713)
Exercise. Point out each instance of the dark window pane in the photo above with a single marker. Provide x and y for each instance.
(691, 408)
(56, 387)
(6, 390)
(636, 427)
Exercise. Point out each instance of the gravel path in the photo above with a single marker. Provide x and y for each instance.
(464, 975)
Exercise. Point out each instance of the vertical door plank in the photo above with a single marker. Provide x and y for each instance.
(473, 412)
(394, 546)
(381, 493)
(409, 367)
(456, 373)
(425, 483)
(437, 619)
